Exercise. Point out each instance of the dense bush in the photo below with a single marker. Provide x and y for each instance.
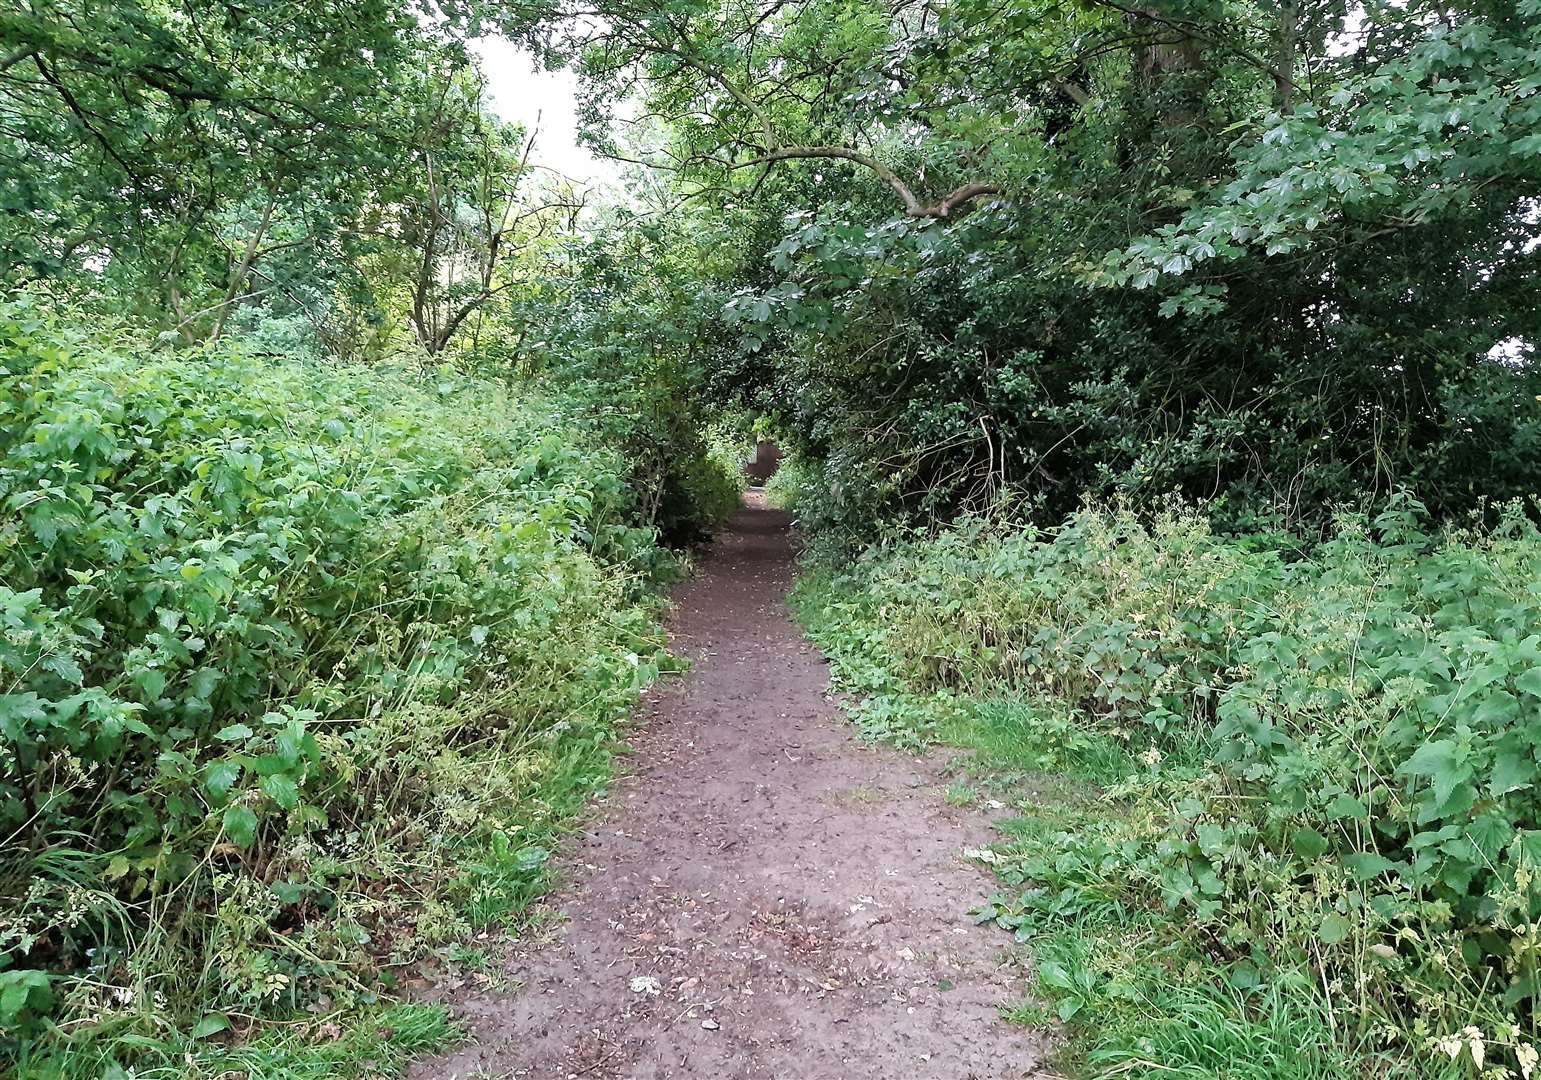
(278, 639)
(1322, 766)
(927, 371)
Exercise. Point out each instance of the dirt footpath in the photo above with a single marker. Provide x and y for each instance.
(763, 897)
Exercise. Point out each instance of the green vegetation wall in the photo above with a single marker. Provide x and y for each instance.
(302, 666)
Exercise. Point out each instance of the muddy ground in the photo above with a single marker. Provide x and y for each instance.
(762, 896)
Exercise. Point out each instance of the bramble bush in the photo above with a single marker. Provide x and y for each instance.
(280, 640)
(1319, 767)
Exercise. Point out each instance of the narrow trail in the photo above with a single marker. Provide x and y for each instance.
(798, 898)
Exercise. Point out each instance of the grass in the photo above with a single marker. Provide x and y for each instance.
(1133, 994)
(960, 795)
(498, 878)
(379, 1042)
(1133, 991)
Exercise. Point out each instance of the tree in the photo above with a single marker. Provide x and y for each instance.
(173, 152)
(479, 207)
(1257, 252)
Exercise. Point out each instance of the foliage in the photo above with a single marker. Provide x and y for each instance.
(1273, 256)
(302, 668)
(325, 569)
(1319, 775)
(1439, 112)
(168, 148)
(633, 339)
(337, 166)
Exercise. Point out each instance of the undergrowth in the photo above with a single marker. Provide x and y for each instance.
(1278, 810)
(304, 669)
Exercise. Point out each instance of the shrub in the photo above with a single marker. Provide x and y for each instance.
(279, 639)
(1331, 757)
(704, 485)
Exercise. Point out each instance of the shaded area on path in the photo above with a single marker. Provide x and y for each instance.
(796, 899)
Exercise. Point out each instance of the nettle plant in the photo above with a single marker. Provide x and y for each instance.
(1331, 759)
(256, 617)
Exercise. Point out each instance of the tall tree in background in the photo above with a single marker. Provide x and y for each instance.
(477, 209)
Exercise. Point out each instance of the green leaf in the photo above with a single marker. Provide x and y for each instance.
(1308, 843)
(152, 682)
(233, 733)
(1055, 976)
(1529, 682)
(1345, 807)
(281, 788)
(1430, 759)
(1442, 761)
(1245, 976)
(211, 1024)
(531, 858)
(1365, 865)
(1511, 772)
(203, 682)
(240, 825)
(220, 776)
(1334, 928)
(288, 892)
(24, 990)
(17, 711)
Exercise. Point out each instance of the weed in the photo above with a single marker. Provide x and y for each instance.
(960, 795)
(303, 672)
(863, 795)
(1279, 812)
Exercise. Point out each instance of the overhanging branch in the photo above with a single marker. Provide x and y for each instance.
(913, 206)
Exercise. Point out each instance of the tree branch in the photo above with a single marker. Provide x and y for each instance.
(913, 207)
(243, 268)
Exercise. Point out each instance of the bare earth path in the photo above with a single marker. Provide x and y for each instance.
(798, 898)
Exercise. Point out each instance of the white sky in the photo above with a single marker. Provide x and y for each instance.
(520, 92)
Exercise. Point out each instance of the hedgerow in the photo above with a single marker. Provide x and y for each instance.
(1316, 821)
(303, 666)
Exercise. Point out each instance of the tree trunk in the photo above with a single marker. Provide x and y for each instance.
(243, 268)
